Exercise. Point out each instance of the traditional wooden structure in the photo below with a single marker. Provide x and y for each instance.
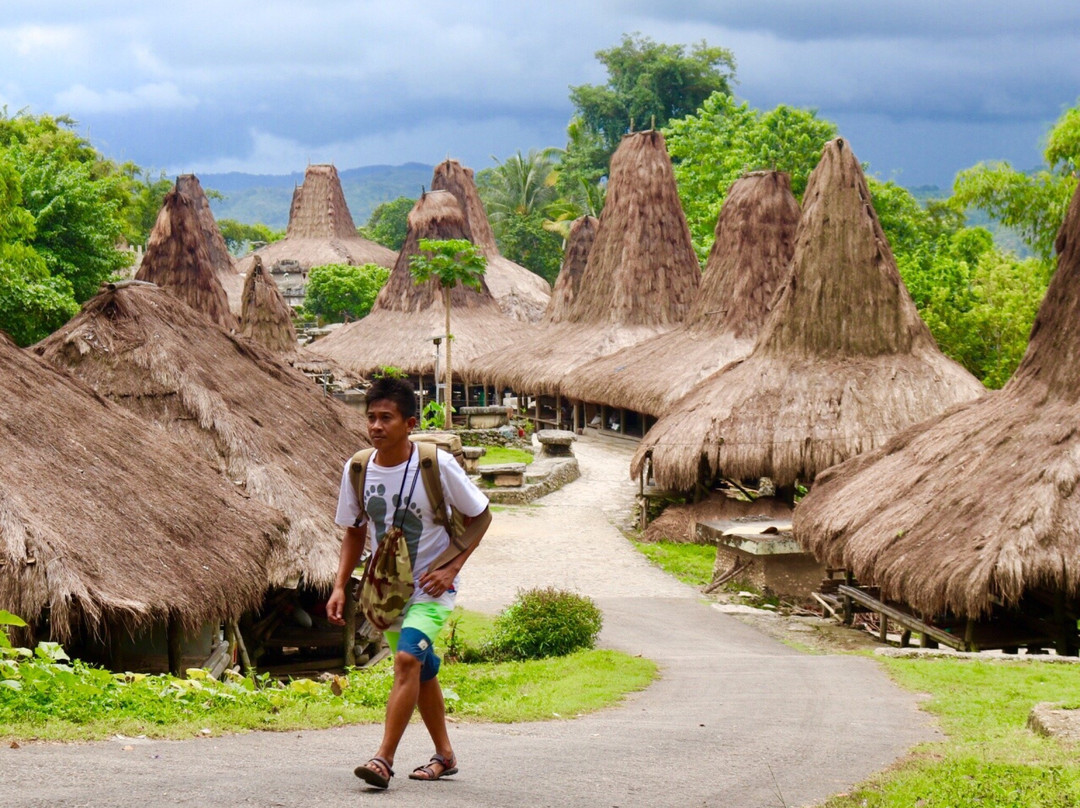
(970, 521)
(220, 258)
(266, 317)
(842, 364)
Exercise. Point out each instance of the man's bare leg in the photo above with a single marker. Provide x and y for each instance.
(399, 708)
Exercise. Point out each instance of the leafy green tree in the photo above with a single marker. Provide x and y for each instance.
(450, 262)
(240, 237)
(338, 291)
(649, 83)
(532, 241)
(1033, 204)
(146, 194)
(738, 138)
(388, 223)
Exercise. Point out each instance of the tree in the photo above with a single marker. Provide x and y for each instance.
(338, 291)
(450, 262)
(388, 223)
(649, 83)
(146, 194)
(1033, 203)
(738, 138)
(240, 237)
(529, 240)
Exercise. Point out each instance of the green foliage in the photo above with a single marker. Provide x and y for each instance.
(649, 83)
(389, 372)
(690, 563)
(449, 261)
(146, 194)
(1033, 204)
(738, 139)
(339, 291)
(494, 455)
(989, 756)
(527, 240)
(545, 622)
(240, 237)
(433, 415)
(388, 224)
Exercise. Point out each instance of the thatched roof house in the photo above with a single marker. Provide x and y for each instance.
(521, 294)
(263, 425)
(578, 245)
(106, 519)
(266, 317)
(178, 259)
(406, 316)
(640, 279)
(980, 504)
(321, 230)
(755, 239)
(231, 280)
(842, 364)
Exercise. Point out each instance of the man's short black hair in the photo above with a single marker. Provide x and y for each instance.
(398, 391)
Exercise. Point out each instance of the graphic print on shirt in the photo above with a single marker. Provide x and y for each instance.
(411, 522)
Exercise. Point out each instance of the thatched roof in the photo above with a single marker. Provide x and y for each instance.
(842, 364)
(321, 229)
(231, 280)
(578, 244)
(178, 259)
(406, 316)
(105, 516)
(640, 278)
(755, 238)
(981, 502)
(265, 426)
(266, 317)
(521, 294)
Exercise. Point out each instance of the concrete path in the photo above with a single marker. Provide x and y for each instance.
(736, 718)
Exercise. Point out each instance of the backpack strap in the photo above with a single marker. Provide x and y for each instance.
(462, 537)
(357, 474)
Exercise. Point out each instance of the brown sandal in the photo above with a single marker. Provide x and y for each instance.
(449, 766)
(372, 774)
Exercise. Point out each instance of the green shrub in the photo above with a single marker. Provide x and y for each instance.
(543, 623)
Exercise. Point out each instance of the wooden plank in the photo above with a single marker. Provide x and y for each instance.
(903, 618)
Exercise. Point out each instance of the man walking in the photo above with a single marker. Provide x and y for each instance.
(392, 497)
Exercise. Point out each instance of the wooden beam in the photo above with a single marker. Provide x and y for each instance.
(903, 618)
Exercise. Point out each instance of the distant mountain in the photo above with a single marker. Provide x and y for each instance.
(265, 198)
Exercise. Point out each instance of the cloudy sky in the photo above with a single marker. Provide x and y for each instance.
(921, 88)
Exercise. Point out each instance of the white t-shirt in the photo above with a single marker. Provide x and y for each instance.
(426, 539)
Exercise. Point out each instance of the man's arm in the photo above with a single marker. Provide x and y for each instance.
(352, 546)
(436, 582)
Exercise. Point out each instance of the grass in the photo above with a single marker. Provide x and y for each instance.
(989, 758)
(690, 563)
(496, 455)
(69, 702)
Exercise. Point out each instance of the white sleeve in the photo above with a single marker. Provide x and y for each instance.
(348, 506)
(458, 489)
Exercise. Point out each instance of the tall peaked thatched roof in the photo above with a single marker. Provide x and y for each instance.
(321, 229)
(640, 278)
(521, 294)
(265, 426)
(578, 244)
(178, 259)
(406, 316)
(982, 502)
(104, 516)
(266, 317)
(842, 363)
(224, 265)
(755, 238)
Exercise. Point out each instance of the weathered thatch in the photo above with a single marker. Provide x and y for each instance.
(755, 238)
(521, 294)
(640, 279)
(842, 364)
(265, 426)
(266, 317)
(231, 280)
(178, 259)
(980, 504)
(405, 317)
(321, 229)
(107, 518)
(578, 244)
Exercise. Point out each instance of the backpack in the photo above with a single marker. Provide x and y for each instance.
(388, 580)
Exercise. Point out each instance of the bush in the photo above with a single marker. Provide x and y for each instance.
(543, 623)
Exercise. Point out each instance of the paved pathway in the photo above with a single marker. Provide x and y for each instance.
(736, 718)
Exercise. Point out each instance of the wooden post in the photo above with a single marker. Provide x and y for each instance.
(349, 646)
(174, 636)
(466, 392)
(537, 400)
(883, 628)
(558, 410)
(241, 647)
(420, 392)
(969, 635)
(578, 406)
